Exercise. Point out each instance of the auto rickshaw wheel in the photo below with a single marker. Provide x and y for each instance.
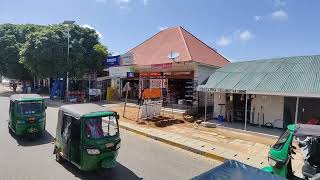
(59, 158)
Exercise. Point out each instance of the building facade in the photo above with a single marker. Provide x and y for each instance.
(274, 92)
(173, 59)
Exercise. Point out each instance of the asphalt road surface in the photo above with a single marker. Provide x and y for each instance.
(139, 157)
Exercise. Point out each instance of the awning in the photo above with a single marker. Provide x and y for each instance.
(291, 76)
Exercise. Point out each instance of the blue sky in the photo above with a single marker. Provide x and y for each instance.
(239, 30)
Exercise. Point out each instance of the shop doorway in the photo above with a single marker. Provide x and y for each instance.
(210, 104)
(235, 108)
(134, 85)
(182, 91)
(289, 110)
(308, 110)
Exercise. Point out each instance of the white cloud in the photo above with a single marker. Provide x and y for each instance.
(145, 2)
(280, 15)
(279, 2)
(257, 18)
(90, 27)
(224, 41)
(162, 28)
(245, 35)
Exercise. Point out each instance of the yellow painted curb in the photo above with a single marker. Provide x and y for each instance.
(178, 145)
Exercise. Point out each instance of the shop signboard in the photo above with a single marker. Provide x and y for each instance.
(161, 66)
(222, 90)
(112, 61)
(178, 73)
(126, 59)
(119, 71)
(156, 83)
(151, 74)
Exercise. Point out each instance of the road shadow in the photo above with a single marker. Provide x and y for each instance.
(53, 103)
(7, 93)
(33, 140)
(119, 172)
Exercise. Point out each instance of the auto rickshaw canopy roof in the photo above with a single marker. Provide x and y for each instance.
(307, 130)
(26, 97)
(86, 110)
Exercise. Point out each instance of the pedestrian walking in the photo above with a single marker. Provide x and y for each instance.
(14, 86)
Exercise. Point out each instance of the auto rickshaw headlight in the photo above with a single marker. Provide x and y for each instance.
(109, 145)
(272, 162)
(93, 151)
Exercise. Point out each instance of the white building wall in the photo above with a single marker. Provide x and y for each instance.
(203, 72)
(219, 98)
(272, 109)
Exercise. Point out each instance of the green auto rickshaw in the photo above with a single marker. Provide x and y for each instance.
(27, 114)
(280, 154)
(88, 136)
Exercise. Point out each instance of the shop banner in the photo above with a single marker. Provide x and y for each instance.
(112, 61)
(126, 59)
(156, 83)
(151, 74)
(119, 71)
(178, 73)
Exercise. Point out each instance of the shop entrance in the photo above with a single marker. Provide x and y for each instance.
(181, 91)
(134, 85)
(235, 108)
(308, 111)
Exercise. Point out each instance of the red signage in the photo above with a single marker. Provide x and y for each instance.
(167, 74)
(150, 74)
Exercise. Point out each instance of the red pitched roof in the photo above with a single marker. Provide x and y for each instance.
(155, 49)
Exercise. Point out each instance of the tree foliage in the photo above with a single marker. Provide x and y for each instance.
(12, 37)
(42, 51)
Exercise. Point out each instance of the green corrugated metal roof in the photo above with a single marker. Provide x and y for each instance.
(289, 74)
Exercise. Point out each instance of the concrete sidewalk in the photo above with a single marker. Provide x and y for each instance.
(248, 152)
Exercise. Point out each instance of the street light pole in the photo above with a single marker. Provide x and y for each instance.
(68, 59)
(68, 23)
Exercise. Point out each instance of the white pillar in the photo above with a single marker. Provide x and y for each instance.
(205, 106)
(297, 110)
(246, 113)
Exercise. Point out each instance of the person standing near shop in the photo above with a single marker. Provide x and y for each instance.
(14, 86)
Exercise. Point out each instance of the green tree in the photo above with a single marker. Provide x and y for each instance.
(12, 37)
(45, 52)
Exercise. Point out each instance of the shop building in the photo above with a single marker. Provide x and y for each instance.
(193, 63)
(274, 92)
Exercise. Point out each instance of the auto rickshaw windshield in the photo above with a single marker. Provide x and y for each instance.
(29, 108)
(99, 127)
(282, 140)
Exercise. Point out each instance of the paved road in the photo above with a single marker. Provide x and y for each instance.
(139, 158)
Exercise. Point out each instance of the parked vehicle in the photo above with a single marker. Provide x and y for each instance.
(27, 114)
(235, 170)
(88, 136)
(280, 154)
